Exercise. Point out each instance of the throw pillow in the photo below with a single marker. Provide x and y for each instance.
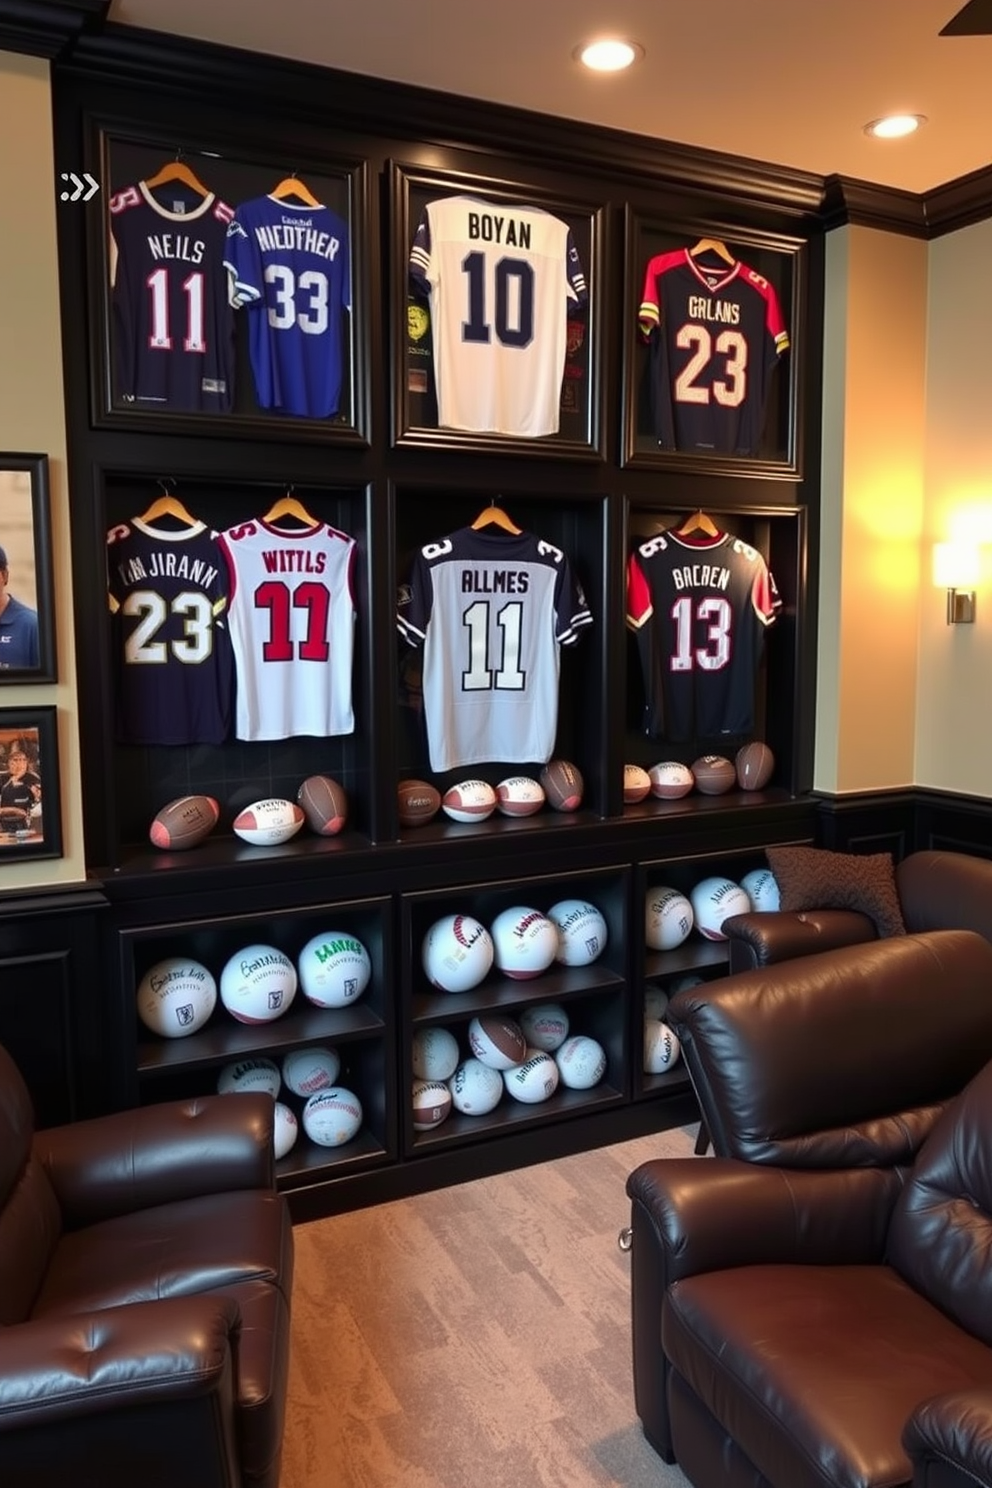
(812, 878)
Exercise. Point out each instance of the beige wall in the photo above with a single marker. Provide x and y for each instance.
(873, 509)
(31, 408)
(954, 698)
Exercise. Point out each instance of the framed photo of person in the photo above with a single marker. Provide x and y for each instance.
(30, 804)
(713, 348)
(496, 311)
(27, 616)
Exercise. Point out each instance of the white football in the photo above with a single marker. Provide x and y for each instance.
(334, 969)
(176, 996)
(258, 984)
(457, 953)
(581, 931)
(544, 1025)
(332, 1117)
(249, 1074)
(435, 1053)
(285, 1130)
(661, 1047)
(670, 780)
(636, 784)
(307, 1070)
(469, 801)
(761, 887)
(668, 918)
(519, 795)
(266, 823)
(533, 1081)
(525, 942)
(475, 1088)
(715, 900)
(581, 1062)
(431, 1104)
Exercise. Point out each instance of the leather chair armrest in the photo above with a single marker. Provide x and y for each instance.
(99, 1363)
(949, 1440)
(158, 1154)
(706, 1216)
(766, 937)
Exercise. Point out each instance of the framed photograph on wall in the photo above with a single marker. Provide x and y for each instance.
(27, 614)
(30, 800)
(496, 295)
(713, 348)
(232, 290)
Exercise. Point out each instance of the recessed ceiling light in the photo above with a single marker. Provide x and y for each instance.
(609, 54)
(894, 126)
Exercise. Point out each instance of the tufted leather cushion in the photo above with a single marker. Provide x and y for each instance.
(940, 1237)
(812, 878)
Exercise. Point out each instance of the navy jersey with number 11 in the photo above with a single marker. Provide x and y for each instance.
(289, 265)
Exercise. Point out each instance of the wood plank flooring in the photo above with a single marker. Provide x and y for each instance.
(475, 1337)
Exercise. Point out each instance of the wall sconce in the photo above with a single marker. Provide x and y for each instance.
(956, 568)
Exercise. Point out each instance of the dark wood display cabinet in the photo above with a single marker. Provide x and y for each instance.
(384, 471)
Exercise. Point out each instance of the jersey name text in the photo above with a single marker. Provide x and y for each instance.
(167, 566)
(277, 236)
(701, 576)
(177, 246)
(500, 581)
(701, 307)
(492, 229)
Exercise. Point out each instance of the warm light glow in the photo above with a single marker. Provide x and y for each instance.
(609, 55)
(895, 126)
(955, 565)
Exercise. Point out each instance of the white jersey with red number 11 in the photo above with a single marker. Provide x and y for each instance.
(292, 623)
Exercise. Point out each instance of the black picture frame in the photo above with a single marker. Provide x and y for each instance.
(29, 830)
(414, 406)
(776, 259)
(123, 154)
(26, 543)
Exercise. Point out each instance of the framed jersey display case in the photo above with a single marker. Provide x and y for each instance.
(232, 292)
(495, 315)
(712, 333)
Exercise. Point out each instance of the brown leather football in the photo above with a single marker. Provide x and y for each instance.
(755, 764)
(417, 802)
(324, 803)
(563, 785)
(714, 774)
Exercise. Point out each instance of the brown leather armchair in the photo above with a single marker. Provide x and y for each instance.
(937, 891)
(831, 1327)
(842, 1060)
(146, 1265)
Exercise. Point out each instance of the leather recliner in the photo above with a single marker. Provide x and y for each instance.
(146, 1265)
(937, 891)
(842, 1060)
(831, 1328)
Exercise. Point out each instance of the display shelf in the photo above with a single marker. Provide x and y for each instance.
(511, 1114)
(223, 1039)
(692, 955)
(497, 993)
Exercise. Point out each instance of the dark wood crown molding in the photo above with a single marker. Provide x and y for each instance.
(862, 204)
(44, 28)
(959, 203)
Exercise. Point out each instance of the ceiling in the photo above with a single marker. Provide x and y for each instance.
(789, 82)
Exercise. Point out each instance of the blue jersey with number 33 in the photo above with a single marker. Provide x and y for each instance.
(289, 265)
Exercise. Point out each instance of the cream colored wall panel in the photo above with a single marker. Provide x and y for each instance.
(32, 411)
(874, 410)
(954, 703)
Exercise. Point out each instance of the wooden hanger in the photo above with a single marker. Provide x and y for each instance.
(288, 506)
(698, 522)
(291, 186)
(177, 170)
(168, 505)
(713, 245)
(494, 516)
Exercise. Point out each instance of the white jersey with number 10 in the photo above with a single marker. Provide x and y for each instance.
(500, 279)
(292, 622)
